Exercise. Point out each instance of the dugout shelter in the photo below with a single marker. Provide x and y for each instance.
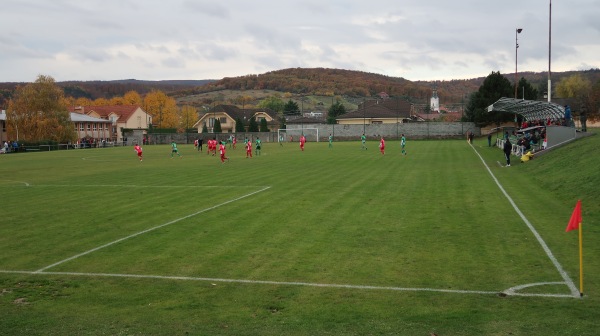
(534, 110)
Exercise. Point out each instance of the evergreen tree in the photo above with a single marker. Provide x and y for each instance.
(263, 125)
(494, 87)
(530, 92)
(204, 128)
(252, 126)
(291, 108)
(239, 125)
(335, 111)
(217, 128)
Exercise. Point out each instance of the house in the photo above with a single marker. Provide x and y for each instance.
(388, 111)
(120, 117)
(88, 127)
(3, 136)
(228, 115)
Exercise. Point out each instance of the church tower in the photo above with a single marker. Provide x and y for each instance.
(434, 103)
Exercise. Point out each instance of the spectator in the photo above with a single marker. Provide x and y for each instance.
(15, 146)
(507, 149)
(567, 115)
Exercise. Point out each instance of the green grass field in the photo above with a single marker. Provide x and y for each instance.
(327, 241)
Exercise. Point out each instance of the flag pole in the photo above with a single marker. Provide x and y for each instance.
(580, 260)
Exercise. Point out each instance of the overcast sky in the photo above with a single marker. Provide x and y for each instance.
(202, 39)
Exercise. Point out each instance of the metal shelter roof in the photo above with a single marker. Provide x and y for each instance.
(529, 109)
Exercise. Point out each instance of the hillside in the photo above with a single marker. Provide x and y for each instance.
(298, 82)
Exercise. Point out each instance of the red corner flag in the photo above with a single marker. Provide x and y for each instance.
(575, 220)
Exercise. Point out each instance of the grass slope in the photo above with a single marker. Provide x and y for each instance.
(201, 247)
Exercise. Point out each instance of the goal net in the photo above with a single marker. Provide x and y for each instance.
(287, 135)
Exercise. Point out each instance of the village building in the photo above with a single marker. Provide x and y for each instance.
(120, 117)
(386, 111)
(230, 115)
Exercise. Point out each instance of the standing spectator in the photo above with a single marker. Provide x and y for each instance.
(15, 145)
(583, 120)
(567, 115)
(507, 149)
(490, 139)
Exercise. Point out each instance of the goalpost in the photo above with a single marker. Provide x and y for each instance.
(284, 134)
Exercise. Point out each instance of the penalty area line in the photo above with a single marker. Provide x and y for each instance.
(557, 265)
(290, 283)
(150, 229)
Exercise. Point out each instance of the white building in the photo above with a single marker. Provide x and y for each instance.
(434, 102)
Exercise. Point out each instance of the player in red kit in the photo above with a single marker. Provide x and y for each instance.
(302, 141)
(222, 152)
(138, 149)
(248, 148)
(382, 146)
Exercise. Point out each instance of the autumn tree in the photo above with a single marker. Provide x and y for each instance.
(83, 102)
(575, 86)
(132, 98)
(188, 116)
(101, 102)
(117, 101)
(38, 112)
(162, 108)
(243, 100)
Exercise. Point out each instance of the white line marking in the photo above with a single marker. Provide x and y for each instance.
(291, 283)
(25, 183)
(513, 290)
(151, 229)
(138, 186)
(563, 274)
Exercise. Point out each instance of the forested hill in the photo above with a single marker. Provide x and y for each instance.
(108, 89)
(324, 81)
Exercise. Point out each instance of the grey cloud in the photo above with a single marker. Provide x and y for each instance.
(208, 8)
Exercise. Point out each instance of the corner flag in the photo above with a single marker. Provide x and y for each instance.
(575, 224)
(575, 220)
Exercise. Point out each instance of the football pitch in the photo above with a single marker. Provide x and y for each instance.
(326, 241)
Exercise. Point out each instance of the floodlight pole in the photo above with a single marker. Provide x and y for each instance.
(549, 52)
(517, 31)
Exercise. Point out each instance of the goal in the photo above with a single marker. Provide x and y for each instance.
(285, 135)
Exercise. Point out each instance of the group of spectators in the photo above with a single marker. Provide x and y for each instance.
(9, 146)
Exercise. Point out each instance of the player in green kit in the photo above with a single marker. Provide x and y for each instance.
(174, 149)
(363, 140)
(403, 144)
(330, 141)
(258, 146)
